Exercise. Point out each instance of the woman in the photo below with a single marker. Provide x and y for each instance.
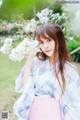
(49, 83)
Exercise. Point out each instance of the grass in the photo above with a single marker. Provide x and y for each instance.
(8, 73)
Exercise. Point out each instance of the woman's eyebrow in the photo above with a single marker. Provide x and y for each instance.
(45, 39)
(40, 40)
(49, 38)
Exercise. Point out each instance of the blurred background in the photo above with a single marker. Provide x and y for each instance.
(15, 15)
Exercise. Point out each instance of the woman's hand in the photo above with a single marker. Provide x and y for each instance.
(30, 58)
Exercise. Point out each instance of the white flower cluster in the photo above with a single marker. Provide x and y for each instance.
(9, 26)
(31, 26)
(44, 15)
(47, 15)
(56, 18)
(6, 48)
(24, 49)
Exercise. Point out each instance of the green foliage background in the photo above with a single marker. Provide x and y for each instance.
(27, 9)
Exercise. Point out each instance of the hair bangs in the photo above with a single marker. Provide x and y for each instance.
(41, 34)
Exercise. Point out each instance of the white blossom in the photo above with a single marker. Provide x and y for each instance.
(24, 49)
(6, 48)
(70, 38)
(10, 26)
(44, 15)
(8, 41)
(31, 26)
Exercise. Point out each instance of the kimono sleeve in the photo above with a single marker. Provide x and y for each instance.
(72, 104)
(18, 81)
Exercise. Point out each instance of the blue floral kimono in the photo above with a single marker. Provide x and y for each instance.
(43, 82)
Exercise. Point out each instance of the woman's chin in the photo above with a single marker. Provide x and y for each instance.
(49, 55)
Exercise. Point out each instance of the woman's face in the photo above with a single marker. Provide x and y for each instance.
(47, 46)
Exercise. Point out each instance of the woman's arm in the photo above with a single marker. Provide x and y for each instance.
(24, 75)
(27, 70)
(72, 97)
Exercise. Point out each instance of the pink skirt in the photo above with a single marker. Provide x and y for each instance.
(44, 108)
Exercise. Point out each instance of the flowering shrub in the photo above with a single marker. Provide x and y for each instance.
(31, 26)
(25, 48)
(29, 45)
(7, 47)
(72, 45)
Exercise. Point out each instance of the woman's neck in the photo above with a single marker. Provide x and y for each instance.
(52, 60)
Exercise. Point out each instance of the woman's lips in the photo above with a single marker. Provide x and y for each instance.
(47, 50)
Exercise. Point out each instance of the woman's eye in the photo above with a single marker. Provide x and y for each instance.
(49, 40)
(41, 43)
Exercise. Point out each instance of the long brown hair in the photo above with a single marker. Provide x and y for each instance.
(55, 32)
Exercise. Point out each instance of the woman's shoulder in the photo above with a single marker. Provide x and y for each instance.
(71, 70)
(70, 66)
(35, 59)
(37, 62)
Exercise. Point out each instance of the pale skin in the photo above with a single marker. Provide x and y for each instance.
(48, 47)
(27, 70)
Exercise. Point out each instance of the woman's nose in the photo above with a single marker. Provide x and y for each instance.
(45, 45)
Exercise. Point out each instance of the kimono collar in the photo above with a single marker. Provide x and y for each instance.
(48, 66)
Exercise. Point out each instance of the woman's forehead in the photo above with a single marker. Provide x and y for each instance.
(44, 38)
